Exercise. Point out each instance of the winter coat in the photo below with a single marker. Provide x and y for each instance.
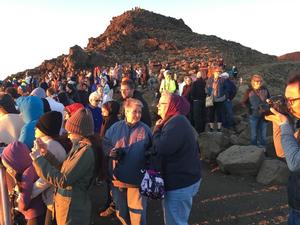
(31, 108)
(178, 148)
(16, 155)
(133, 141)
(72, 204)
(10, 128)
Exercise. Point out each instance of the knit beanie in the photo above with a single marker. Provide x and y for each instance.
(50, 123)
(81, 122)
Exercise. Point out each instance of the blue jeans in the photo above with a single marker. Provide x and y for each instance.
(294, 217)
(177, 204)
(258, 128)
(228, 116)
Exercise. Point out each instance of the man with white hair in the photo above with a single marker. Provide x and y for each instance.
(94, 100)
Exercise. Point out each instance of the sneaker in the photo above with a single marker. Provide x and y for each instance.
(211, 130)
(219, 130)
(108, 211)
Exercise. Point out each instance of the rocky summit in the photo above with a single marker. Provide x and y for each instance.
(138, 36)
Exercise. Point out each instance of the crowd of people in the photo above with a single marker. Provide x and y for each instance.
(64, 133)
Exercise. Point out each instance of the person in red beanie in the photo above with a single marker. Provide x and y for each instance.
(71, 109)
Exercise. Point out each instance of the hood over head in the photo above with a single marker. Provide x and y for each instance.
(16, 155)
(31, 108)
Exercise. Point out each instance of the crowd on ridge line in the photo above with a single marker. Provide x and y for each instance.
(68, 131)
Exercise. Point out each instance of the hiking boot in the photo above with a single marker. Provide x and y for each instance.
(108, 211)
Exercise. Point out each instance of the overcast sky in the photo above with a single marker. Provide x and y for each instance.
(35, 30)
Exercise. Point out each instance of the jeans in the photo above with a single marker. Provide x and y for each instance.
(294, 217)
(228, 116)
(258, 128)
(177, 204)
(131, 206)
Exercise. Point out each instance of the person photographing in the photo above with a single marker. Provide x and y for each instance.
(287, 144)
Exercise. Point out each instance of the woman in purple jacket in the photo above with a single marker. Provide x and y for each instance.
(18, 164)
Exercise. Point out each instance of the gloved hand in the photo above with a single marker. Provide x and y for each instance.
(117, 153)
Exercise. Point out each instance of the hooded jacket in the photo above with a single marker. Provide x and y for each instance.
(16, 155)
(31, 108)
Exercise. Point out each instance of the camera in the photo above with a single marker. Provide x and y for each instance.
(277, 102)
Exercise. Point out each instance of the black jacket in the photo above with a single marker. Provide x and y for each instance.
(178, 149)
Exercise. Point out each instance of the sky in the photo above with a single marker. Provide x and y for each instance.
(35, 30)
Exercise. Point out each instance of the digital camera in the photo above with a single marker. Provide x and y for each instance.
(277, 102)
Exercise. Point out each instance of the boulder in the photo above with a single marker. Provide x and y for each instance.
(273, 172)
(211, 144)
(241, 126)
(244, 137)
(241, 160)
(234, 139)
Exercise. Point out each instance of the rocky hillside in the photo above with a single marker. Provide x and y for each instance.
(142, 35)
(138, 36)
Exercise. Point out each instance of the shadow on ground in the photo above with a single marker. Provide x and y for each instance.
(222, 199)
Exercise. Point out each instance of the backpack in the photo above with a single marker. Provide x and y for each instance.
(231, 89)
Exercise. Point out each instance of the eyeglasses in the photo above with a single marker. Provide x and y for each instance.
(162, 103)
(291, 101)
(97, 100)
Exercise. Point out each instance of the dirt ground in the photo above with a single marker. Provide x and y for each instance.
(222, 199)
